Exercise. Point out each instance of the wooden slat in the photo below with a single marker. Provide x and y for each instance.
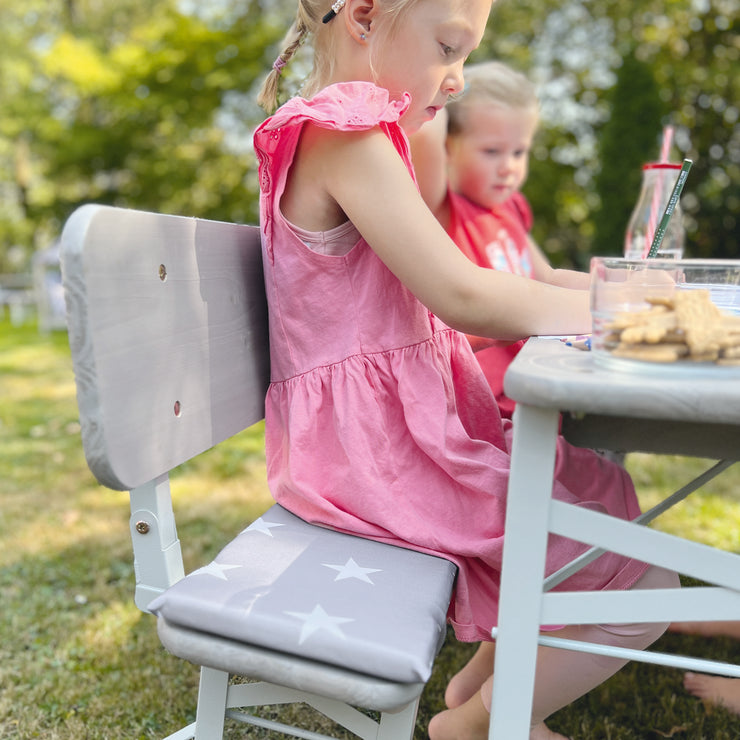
(164, 312)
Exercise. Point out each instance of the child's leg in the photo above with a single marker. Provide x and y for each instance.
(714, 690)
(470, 720)
(562, 676)
(467, 682)
(708, 629)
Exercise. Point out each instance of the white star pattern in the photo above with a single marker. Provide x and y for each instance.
(218, 570)
(317, 620)
(261, 525)
(351, 570)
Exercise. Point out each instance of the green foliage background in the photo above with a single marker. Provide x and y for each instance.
(151, 105)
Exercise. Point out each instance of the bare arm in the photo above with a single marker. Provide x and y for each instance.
(544, 271)
(367, 179)
(429, 157)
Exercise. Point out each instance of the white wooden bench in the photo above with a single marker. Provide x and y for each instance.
(167, 324)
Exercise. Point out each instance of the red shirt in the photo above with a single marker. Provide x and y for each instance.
(495, 238)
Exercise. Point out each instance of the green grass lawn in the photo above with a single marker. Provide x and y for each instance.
(78, 660)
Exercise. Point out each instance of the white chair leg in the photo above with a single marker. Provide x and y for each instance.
(399, 725)
(185, 733)
(209, 722)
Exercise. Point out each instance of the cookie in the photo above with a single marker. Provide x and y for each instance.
(732, 352)
(685, 326)
(699, 318)
(651, 352)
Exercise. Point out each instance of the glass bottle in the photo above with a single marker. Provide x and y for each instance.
(658, 179)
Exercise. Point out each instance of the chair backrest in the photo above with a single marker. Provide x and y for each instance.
(162, 302)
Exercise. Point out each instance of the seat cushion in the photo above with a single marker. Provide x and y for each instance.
(305, 590)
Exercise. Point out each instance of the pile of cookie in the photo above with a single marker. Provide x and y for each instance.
(684, 326)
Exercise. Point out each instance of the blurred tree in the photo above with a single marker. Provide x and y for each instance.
(151, 105)
(634, 99)
(133, 104)
(708, 102)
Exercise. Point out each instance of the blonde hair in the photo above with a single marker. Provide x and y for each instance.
(491, 82)
(308, 24)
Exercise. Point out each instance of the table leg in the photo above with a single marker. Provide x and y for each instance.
(525, 548)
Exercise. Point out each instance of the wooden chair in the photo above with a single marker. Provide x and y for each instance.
(167, 322)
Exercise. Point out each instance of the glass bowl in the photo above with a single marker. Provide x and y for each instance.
(650, 314)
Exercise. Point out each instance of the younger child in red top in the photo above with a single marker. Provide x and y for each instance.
(470, 170)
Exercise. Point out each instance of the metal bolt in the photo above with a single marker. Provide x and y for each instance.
(142, 527)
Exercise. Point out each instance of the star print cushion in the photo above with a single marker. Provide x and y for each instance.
(320, 594)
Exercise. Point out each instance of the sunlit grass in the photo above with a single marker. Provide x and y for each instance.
(78, 660)
(712, 517)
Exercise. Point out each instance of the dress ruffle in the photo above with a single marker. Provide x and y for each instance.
(345, 106)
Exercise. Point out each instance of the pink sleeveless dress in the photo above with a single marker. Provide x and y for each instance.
(379, 421)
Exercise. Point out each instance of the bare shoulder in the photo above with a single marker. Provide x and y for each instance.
(334, 151)
(323, 163)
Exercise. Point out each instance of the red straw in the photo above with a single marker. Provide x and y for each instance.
(665, 149)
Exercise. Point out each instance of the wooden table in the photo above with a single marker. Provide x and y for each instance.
(668, 412)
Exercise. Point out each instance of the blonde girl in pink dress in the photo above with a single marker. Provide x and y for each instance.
(379, 421)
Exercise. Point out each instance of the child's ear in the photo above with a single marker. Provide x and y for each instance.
(359, 16)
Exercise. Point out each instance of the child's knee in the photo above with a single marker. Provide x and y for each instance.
(639, 635)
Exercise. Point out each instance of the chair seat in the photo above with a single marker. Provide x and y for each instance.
(303, 590)
(283, 669)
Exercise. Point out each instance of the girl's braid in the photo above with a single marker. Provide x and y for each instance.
(268, 95)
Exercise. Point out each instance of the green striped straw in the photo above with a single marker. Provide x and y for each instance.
(672, 201)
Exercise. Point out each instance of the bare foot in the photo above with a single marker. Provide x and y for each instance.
(714, 690)
(466, 722)
(468, 681)
(470, 722)
(707, 629)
